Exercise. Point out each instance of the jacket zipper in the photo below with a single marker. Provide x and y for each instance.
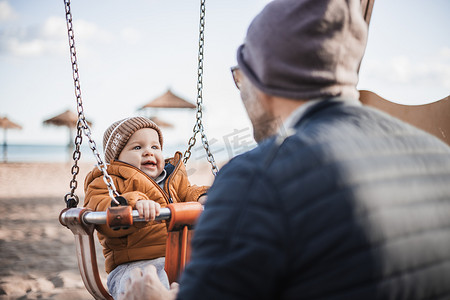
(166, 184)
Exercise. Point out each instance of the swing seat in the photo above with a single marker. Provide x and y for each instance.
(82, 223)
(73, 218)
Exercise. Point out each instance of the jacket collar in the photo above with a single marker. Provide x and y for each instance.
(304, 112)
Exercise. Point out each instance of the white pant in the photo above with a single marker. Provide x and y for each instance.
(118, 278)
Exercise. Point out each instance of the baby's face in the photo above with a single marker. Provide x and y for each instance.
(143, 151)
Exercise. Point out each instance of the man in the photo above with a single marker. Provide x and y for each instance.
(338, 201)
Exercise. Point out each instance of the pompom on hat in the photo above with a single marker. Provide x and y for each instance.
(305, 49)
(118, 134)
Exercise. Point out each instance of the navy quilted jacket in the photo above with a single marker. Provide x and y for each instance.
(354, 205)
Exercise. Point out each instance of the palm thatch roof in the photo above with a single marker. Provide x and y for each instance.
(169, 100)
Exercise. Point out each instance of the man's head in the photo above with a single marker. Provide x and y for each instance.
(120, 133)
(299, 50)
(305, 49)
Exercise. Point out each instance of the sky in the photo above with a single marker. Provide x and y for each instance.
(130, 52)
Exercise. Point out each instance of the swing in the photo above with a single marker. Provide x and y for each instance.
(180, 217)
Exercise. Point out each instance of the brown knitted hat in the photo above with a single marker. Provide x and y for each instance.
(118, 134)
(305, 49)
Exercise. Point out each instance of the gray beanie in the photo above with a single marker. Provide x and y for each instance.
(305, 49)
(118, 134)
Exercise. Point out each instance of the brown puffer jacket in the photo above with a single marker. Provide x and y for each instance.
(143, 240)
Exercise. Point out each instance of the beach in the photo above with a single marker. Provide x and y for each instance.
(37, 254)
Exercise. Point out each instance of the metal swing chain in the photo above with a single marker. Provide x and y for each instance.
(198, 127)
(71, 198)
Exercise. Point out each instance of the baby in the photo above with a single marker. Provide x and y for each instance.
(133, 151)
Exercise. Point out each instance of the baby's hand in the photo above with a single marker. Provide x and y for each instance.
(148, 209)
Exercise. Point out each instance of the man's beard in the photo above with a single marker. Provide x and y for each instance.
(267, 127)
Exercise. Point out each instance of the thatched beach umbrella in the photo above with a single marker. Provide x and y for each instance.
(68, 119)
(6, 124)
(169, 100)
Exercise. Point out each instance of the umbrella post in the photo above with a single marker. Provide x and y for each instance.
(6, 124)
(5, 155)
(70, 144)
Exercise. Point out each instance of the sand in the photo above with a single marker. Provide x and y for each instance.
(37, 254)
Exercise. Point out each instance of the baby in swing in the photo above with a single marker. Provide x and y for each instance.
(133, 149)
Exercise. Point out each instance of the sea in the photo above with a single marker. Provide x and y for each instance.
(63, 153)
(42, 153)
